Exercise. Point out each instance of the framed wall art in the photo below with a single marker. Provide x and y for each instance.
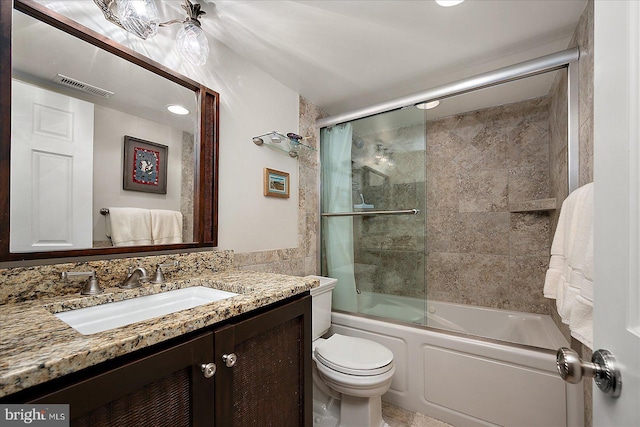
(276, 183)
(145, 166)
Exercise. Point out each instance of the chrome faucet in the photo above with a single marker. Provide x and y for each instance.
(136, 277)
(91, 286)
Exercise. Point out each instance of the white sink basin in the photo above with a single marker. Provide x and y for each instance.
(111, 315)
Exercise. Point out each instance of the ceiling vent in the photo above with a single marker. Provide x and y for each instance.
(77, 84)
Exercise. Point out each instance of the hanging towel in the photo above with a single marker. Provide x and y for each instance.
(166, 226)
(569, 278)
(129, 226)
(581, 320)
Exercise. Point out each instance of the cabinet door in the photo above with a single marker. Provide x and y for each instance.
(270, 382)
(166, 388)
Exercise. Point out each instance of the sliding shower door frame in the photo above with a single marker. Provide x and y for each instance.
(564, 59)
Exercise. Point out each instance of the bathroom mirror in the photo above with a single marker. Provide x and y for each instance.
(123, 98)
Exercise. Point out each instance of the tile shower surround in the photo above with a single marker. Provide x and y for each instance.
(477, 252)
(583, 38)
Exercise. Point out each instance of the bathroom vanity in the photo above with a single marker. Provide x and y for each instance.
(244, 360)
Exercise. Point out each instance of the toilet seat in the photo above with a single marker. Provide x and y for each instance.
(354, 356)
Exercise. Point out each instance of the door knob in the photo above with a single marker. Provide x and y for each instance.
(602, 368)
(229, 359)
(208, 369)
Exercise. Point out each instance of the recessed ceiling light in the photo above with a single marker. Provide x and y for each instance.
(428, 105)
(448, 3)
(178, 109)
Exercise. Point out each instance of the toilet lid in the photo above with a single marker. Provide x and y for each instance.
(354, 356)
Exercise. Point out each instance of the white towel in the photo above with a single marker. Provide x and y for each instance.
(569, 278)
(581, 321)
(166, 226)
(129, 226)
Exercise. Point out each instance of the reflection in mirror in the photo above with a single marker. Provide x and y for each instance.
(72, 106)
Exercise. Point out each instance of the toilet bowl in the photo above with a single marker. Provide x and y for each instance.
(353, 370)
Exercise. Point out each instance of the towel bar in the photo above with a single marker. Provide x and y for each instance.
(372, 213)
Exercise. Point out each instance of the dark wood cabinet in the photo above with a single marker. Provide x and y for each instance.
(264, 369)
(269, 383)
(165, 388)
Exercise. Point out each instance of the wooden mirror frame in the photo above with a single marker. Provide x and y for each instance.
(205, 221)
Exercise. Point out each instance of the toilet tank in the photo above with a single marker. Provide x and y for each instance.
(321, 305)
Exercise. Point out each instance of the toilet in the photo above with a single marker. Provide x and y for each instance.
(354, 371)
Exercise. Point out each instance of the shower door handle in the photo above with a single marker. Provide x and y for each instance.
(602, 368)
(373, 213)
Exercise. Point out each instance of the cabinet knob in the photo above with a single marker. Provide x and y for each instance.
(229, 359)
(208, 369)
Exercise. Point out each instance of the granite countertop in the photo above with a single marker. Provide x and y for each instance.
(35, 346)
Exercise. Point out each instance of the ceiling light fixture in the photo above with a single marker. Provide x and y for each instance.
(141, 18)
(428, 105)
(448, 3)
(177, 109)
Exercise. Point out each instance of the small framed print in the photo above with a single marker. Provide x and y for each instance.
(276, 183)
(145, 166)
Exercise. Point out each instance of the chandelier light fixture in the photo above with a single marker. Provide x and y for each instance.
(141, 18)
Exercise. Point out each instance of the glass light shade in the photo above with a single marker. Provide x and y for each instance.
(192, 44)
(139, 17)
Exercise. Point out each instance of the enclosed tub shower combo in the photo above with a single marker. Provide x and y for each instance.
(437, 224)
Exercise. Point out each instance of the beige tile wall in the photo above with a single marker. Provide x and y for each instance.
(583, 38)
(478, 252)
(390, 250)
(187, 186)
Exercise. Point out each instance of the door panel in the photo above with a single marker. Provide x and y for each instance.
(617, 204)
(51, 170)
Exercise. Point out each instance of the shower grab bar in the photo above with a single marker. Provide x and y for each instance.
(372, 213)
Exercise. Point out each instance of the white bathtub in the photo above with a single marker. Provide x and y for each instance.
(466, 380)
(512, 326)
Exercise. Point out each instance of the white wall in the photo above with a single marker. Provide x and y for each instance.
(252, 103)
(108, 145)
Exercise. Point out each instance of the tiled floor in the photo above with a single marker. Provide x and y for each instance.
(398, 417)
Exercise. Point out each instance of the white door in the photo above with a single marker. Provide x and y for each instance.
(51, 170)
(617, 204)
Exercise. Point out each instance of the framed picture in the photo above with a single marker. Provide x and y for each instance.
(276, 183)
(145, 166)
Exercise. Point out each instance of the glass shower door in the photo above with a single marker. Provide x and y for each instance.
(373, 220)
